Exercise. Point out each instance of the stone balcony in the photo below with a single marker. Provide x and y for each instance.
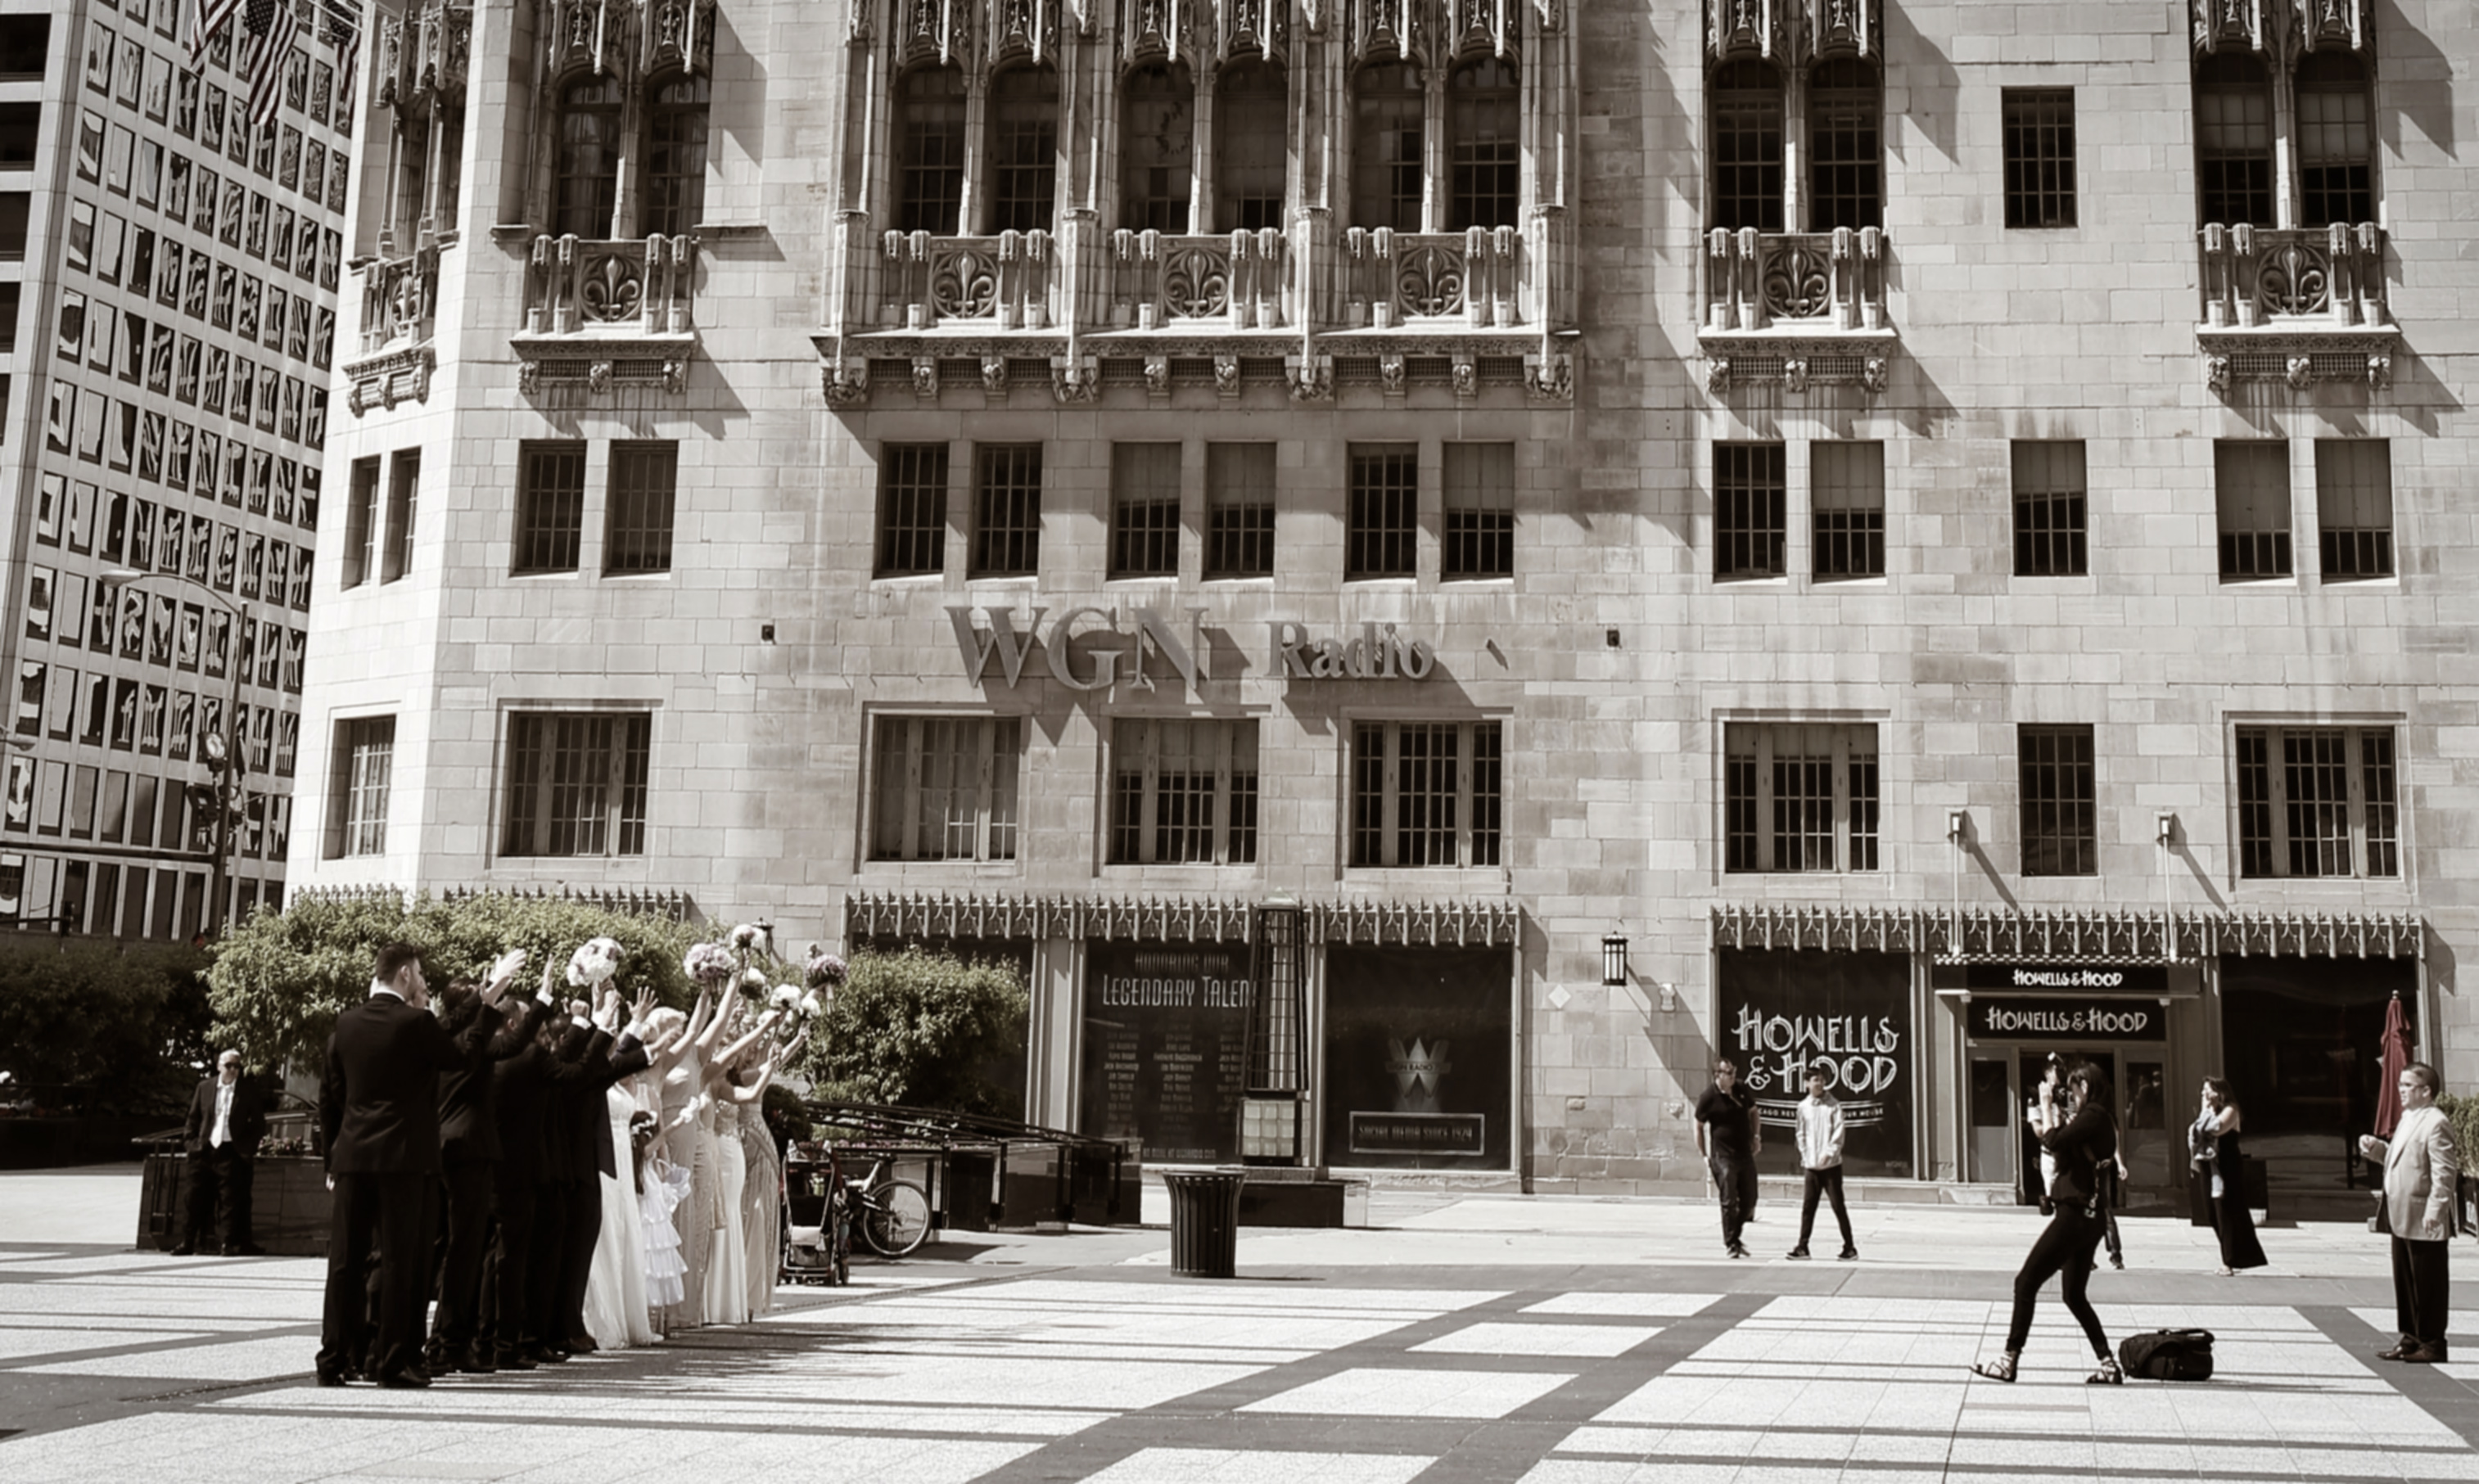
(599, 314)
(2301, 305)
(1796, 309)
(1303, 309)
(395, 360)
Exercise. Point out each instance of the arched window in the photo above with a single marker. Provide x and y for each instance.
(930, 151)
(1024, 149)
(1157, 148)
(589, 158)
(1747, 146)
(1845, 180)
(1251, 146)
(1484, 144)
(1386, 172)
(2234, 139)
(676, 155)
(2336, 168)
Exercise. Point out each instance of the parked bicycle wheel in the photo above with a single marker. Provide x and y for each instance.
(895, 1218)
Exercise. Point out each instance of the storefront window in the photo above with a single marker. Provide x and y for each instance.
(1165, 1033)
(1783, 1012)
(1416, 1042)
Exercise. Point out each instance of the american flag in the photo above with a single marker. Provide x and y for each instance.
(341, 27)
(271, 27)
(206, 18)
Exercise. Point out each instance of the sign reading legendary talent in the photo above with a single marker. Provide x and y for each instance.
(1165, 1032)
(2012, 1018)
(1846, 1014)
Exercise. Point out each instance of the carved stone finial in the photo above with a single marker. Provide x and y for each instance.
(598, 377)
(1552, 379)
(1466, 374)
(1074, 381)
(1390, 374)
(845, 383)
(1717, 375)
(2217, 374)
(1311, 381)
(528, 377)
(676, 376)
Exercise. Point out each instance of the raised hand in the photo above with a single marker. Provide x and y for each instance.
(606, 1012)
(643, 1006)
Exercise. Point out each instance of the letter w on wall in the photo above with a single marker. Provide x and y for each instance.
(977, 645)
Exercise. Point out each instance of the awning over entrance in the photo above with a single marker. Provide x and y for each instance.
(1478, 924)
(2065, 935)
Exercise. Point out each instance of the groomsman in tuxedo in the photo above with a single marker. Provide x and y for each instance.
(378, 1106)
(227, 1118)
(470, 1154)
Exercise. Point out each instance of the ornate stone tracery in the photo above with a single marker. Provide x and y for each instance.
(2281, 31)
(1792, 32)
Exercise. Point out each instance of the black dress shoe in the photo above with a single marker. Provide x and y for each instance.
(2401, 1350)
(185, 1249)
(333, 1377)
(410, 1378)
(244, 1249)
(2429, 1354)
(582, 1344)
(507, 1359)
(476, 1360)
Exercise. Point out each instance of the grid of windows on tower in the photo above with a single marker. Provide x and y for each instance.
(1798, 797)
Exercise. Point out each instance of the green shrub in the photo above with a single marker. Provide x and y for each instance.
(125, 1029)
(924, 1029)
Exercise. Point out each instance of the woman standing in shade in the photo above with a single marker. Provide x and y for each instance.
(2087, 1138)
(2213, 1139)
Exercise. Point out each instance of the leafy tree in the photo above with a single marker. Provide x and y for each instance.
(125, 1029)
(923, 1029)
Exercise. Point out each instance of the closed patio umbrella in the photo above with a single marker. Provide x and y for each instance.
(2396, 1056)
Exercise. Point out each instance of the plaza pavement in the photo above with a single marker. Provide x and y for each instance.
(1549, 1341)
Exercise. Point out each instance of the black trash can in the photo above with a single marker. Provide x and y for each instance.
(1205, 1221)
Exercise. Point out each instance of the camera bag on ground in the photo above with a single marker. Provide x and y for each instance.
(2168, 1355)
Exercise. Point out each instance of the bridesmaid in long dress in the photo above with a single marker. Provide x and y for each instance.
(682, 1072)
(761, 1208)
(711, 1215)
(726, 1273)
(2217, 1130)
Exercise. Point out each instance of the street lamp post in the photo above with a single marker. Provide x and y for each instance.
(221, 797)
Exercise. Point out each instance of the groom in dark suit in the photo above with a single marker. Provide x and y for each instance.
(379, 1104)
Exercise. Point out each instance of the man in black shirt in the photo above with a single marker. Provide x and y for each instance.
(1728, 1137)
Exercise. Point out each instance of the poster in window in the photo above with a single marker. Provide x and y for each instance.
(1416, 1048)
(1164, 1031)
(1845, 1013)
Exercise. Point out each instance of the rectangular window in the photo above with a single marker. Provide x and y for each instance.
(576, 783)
(2251, 492)
(1798, 797)
(365, 763)
(1479, 513)
(1144, 509)
(2317, 802)
(2049, 510)
(361, 516)
(550, 507)
(1426, 793)
(1846, 509)
(2060, 833)
(404, 482)
(1183, 792)
(1384, 537)
(1751, 503)
(2040, 126)
(912, 509)
(946, 788)
(1007, 510)
(2334, 178)
(638, 505)
(1238, 510)
(2354, 507)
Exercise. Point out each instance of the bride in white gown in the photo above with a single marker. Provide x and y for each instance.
(615, 1287)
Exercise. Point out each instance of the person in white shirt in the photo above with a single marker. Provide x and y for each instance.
(2421, 1171)
(1820, 1154)
(227, 1118)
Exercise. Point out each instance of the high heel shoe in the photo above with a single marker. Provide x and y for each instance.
(2002, 1369)
(2107, 1375)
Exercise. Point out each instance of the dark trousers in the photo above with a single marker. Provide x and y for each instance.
(2065, 1252)
(508, 1276)
(2420, 1288)
(568, 1219)
(219, 1188)
(381, 1218)
(1827, 1183)
(470, 1189)
(1735, 1175)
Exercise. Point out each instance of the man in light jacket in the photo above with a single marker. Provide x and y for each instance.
(1820, 1154)
(2420, 1172)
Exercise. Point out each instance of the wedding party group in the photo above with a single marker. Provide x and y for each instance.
(520, 1178)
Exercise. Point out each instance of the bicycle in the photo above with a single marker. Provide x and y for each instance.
(891, 1214)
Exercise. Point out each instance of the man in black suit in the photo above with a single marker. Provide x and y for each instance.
(576, 1154)
(378, 1106)
(227, 1118)
(469, 1154)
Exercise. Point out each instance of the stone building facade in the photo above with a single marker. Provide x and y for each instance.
(1427, 567)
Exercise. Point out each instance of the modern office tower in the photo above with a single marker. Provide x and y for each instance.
(168, 290)
(1427, 567)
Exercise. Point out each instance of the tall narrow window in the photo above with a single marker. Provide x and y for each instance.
(2049, 510)
(1144, 509)
(576, 783)
(929, 150)
(1183, 792)
(1388, 178)
(1751, 517)
(1024, 149)
(1484, 133)
(2039, 130)
(1251, 134)
(365, 762)
(404, 486)
(1238, 510)
(1846, 509)
(2317, 800)
(2335, 157)
(1383, 538)
(676, 155)
(1007, 510)
(637, 510)
(912, 509)
(2234, 139)
(1479, 498)
(2059, 804)
(588, 158)
(2354, 508)
(551, 506)
(1157, 148)
(2251, 493)
(361, 519)
(946, 788)
(1747, 146)
(1426, 793)
(1844, 108)
(1798, 797)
